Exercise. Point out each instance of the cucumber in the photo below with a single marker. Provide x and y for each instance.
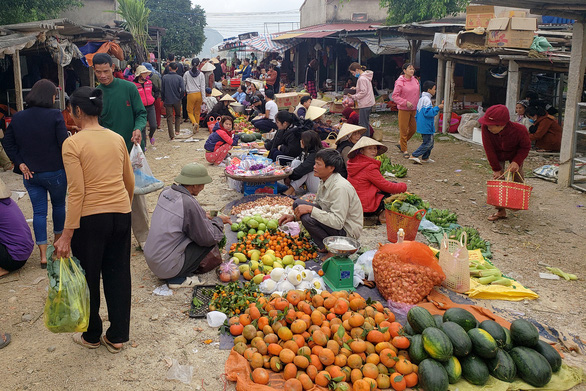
(502, 366)
(460, 316)
(532, 367)
(459, 338)
(474, 370)
(551, 355)
(419, 318)
(433, 376)
(483, 344)
(496, 331)
(437, 344)
(524, 333)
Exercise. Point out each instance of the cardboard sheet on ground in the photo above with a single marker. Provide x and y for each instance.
(515, 292)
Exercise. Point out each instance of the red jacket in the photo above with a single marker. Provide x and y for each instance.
(512, 144)
(364, 174)
(145, 90)
(548, 135)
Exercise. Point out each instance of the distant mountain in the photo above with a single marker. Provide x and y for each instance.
(213, 37)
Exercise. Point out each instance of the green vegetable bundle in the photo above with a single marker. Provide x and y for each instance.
(398, 170)
(474, 239)
(442, 217)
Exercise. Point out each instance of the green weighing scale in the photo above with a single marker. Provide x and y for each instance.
(339, 269)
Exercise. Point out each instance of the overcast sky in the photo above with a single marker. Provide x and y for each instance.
(233, 17)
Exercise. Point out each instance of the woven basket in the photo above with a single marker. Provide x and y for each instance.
(504, 193)
(410, 224)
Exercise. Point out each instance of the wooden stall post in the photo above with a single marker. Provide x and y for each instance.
(448, 96)
(574, 95)
(513, 86)
(439, 93)
(17, 80)
(61, 91)
(336, 75)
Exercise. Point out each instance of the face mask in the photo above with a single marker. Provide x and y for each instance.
(357, 75)
(531, 120)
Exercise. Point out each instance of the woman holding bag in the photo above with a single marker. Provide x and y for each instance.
(503, 141)
(97, 228)
(406, 96)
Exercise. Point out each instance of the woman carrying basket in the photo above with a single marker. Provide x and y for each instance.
(503, 141)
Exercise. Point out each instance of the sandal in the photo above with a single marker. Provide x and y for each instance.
(496, 217)
(78, 339)
(109, 345)
(44, 265)
(406, 155)
(5, 340)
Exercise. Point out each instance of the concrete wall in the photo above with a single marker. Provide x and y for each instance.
(92, 13)
(312, 12)
(315, 12)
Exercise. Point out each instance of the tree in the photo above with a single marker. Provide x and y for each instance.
(402, 11)
(184, 25)
(20, 11)
(136, 21)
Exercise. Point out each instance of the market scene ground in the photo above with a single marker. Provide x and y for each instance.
(550, 233)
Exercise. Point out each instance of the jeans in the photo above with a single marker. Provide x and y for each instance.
(54, 182)
(102, 245)
(264, 125)
(425, 148)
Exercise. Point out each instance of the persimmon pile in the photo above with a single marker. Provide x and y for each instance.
(280, 243)
(337, 340)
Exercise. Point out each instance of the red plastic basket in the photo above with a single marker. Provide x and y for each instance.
(504, 193)
(410, 224)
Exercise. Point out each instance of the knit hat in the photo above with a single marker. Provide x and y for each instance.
(366, 142)
(347, 129)
(496, 115)
(4, 192)
(140, 70)
(347, 112)
(208, 90)
(193, 174)
(523, 102)
(314, 113)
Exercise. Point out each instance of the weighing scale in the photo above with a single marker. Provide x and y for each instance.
(339, 269)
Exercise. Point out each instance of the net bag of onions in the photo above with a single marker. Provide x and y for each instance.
(406, 272)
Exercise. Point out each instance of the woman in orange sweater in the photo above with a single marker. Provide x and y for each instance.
(97, 224)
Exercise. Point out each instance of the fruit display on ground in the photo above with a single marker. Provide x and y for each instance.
(455, 346)
(233, 298)
(337, 340)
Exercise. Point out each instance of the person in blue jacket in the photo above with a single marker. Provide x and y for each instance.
(246, 69)
(426, 113)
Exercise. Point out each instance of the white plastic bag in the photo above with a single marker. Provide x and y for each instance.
(183, 373)
(363, 268)
(216, 318)
(144, 181)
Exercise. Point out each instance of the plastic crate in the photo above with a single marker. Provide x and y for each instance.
(203, 310)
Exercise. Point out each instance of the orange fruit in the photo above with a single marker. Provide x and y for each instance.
(293, 385)
(274, 349)
(354, 361)
(260, 376)
(388, 357)
(305, 381)
(404, 367)
(356, 320)
(341, 306)
(323, 379)
(327, 357)
(290, 371)
(312, 371)
(298, 326)
(245, 319)
(361, 385)
(355, 374)
(301, 362)
(375, 336)
(285, 333)
(398, 382)
(373, 358)
(411, 379)
(286, 356)
(383, 381)
(370, 370)
(320, 338)
(236, 329)
(275, 364)
(358, 346)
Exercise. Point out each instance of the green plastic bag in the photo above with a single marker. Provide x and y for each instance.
(540, 44)
(67, 308)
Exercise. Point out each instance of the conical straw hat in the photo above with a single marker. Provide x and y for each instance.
(314, 113)
(348, 129)
(366, 142)
(227, 97)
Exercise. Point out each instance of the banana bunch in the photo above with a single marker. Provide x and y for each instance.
(474, 239)
(442, 217)
(559, 272)
(488, 274)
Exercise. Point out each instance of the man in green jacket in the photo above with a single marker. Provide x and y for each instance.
(123, 113)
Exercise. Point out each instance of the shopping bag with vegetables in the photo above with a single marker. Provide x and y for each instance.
(144, 181)
(67, 308)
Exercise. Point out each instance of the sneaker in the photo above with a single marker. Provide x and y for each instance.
(188, 282)
(428, 161)
(415, 160)
(152, 141)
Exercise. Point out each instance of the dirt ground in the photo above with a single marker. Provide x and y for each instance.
(552, 231)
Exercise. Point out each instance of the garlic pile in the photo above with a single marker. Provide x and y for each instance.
(269, 212)
(296, 277)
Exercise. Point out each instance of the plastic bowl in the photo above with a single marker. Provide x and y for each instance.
(341, 245)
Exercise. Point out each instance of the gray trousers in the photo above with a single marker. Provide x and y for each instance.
(169, 116)
(363, 119)
(317, 230)
(140, 218)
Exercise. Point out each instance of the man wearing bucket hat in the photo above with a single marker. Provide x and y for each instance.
(364, 174)
(145, 90)
(16, 240)
(504, 141)
(184, 238)
(348, 136)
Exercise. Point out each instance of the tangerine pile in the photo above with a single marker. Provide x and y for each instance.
(337, 340)
(281, 243)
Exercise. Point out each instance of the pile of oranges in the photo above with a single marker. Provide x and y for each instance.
(281, 243)
(337, 340)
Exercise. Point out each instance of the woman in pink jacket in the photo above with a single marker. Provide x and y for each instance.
(406, 96)
(364, 95)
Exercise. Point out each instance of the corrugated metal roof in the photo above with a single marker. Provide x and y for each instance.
(317, 34)
(324, 30)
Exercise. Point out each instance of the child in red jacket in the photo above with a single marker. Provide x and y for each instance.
(364, 174)
(221, 141)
